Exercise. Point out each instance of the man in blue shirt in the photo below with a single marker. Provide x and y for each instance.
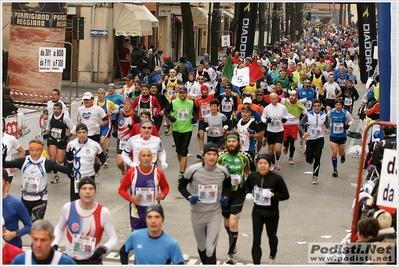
(152, 239)
(117, 99)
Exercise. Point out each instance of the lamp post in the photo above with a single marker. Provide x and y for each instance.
(70, 75)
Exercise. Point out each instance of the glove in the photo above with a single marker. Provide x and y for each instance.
(69, 155)
(228, 168)
(55, 247)
(193, 120)
(98, 253)
(129, 126)
(267, 193)
(249, 197)
(226, 127)
(347, 126)
(193, 199)
(97, 167)
(224, 201)
(284, 120)
(164, 165)
(45, 136)
(171, 118)
(269, 120)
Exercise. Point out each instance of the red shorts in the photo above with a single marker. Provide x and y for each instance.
(290, 130)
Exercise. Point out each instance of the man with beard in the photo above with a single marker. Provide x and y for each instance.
(295, 108)
(238, 165)
(146, 102)
(163, 102)
(201, 71)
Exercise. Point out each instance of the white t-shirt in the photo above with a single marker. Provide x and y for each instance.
(136, 143)
(9, 142)
(276, 113)
(50, 107)
(91, 116)
(329, 88)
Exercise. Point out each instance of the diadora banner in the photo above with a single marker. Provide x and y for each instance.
(367, 39)
(246, 29)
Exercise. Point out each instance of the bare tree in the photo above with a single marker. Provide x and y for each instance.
(215, 33)
(188, 33)
(262, 26)
(276, 22)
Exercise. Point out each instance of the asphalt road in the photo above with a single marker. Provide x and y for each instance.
(314, 213)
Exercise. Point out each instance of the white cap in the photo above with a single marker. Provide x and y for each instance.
(247, 100)
(87, 95)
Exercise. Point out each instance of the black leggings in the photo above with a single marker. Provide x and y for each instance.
(36, 209)
(290, 142)
(257, 229)
(158, 122)
(313, 151)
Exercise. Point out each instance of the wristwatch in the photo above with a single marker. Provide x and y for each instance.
(18, 235)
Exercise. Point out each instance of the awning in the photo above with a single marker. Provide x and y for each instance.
(200, 16)
(133, 20)
(180, 19)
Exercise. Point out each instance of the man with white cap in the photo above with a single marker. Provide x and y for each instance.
(145, 241)
(81, 153)
(248, 130)
(85, 220)
(92, 115)
(210, 184)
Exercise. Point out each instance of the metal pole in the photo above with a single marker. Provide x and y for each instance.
(70, 74)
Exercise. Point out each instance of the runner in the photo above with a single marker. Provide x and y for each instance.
(146, 102)
(215, 124)
(248, 131)
(117, 99)
(55, 98)
(85, 220)
(147, 185)
(210, 185)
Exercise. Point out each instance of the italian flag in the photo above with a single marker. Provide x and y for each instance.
(244, 76)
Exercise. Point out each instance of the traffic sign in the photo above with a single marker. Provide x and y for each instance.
(98, 33)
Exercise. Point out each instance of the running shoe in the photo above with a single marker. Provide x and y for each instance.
(167, 129)
(181, 175)
(285, 151)
(55, 180)
(272, 167)
(343, 158)
(230, 260)
(314, 180)
(291, 161)
(304, 149)
(301, 142)
(335, 173)
(264, 142)
(200, 155)
(106, 162)
(278, 165)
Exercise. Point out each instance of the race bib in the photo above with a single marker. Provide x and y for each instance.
(76, 185)
(154, 158)
(205, 110)
(146, 195)
(215, 131)
(122, 143)
(182, 114)
(259, 199)
(83, 246)
(235, 179)
(338, 127)
(56, 133)
(208, 193)
(348, 101)
(227, 107)
(171, 92)
(315, 130)
(31, 184)
(342, 83)
(308, 104)
(330, 94)
(276, 123)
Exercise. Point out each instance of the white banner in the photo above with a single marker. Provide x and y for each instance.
(388, 188)
(240, 77)
(52, 59)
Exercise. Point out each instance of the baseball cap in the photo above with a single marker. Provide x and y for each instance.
(129, 77)
(111, 85)
(87, 180)
(228, 84)
(87, 95)
(183, 89)
(204, 87)
(384, 218)
(211, 146)
(155, 207)
(247, 107)
(81, 126)
(247, 100)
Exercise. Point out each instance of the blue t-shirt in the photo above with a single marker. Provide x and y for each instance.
(13, 212)
(117, 99)
(338, 121)
(147, 250)
(20, 260)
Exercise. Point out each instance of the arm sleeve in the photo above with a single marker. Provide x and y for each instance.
(282, 191)
(248, 185)
(303, 122)
(65, 109)
(156, 104)
(124, 256)
(264, 115)
(127, 160)
(69, 123)
(162, 155)
(24, 217)
(183, 182)
(163, 183)
(226, 185)
(169, 109)
(109, 229)
(60, 228)
(125, 184)
(16, 163)
(52, 166)
(350, 118)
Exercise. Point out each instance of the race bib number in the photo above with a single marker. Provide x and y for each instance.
(342, 83)
(308, 104)
(122, 143)
(259, 199)
(208, 193)
(215, 131)
(56, 133)
(205, 111)
(76, 185)
(83, 246)
(182, 114)
(348, 101)
(235, 179)
(315, 130)
(146, 195)
(171, 92)
(31, 184)
(276, 123)
(227, 107)
(330, 94)
(338, 127)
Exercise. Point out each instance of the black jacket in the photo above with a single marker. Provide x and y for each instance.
(8, 106)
